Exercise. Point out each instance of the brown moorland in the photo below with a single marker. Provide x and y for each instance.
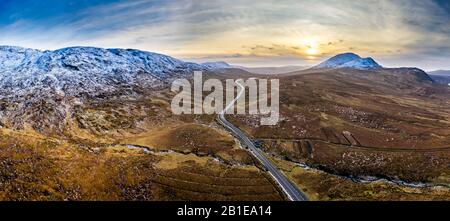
(391, 123)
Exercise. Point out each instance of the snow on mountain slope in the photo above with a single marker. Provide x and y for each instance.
(349, 60)
(338, 60)
(85, 69)
(216, 65)
(42, 89)
(354, 61)
(363, 63)
(13, 57)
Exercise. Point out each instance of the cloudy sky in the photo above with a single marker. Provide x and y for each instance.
(242, 32)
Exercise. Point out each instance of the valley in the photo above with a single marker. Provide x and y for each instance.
(358, 123)
(96, 124)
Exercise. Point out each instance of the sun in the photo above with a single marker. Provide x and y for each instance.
(312, 51)
(311, 46)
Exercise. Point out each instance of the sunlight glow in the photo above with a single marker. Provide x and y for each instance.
(311, 46)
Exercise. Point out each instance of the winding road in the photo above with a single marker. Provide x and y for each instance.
(291, 190)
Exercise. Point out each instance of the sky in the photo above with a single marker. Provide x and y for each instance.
(397, 33)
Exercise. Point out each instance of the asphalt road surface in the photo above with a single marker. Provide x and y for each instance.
(291, 190)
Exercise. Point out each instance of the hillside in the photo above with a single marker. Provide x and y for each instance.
(95, 124)
(441, 77)
(380, 122)
(46, 90)
(349, 60)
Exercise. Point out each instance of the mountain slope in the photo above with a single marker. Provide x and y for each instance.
(338, 60)
(42, 89)
(363, 63)
(353, 61)
(440, 73)
(352, 121)
(216, 65)
(84, 69)
(273, 70)
(440, 77)
(349, 60)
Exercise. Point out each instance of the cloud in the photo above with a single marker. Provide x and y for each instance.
(266, 29)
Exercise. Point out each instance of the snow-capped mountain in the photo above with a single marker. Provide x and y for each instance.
(363, 63)
(13, 57)
(216, 65)
(354, 61)
(87, 69)
(338, 60)
(42, 88)
(349, 60)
